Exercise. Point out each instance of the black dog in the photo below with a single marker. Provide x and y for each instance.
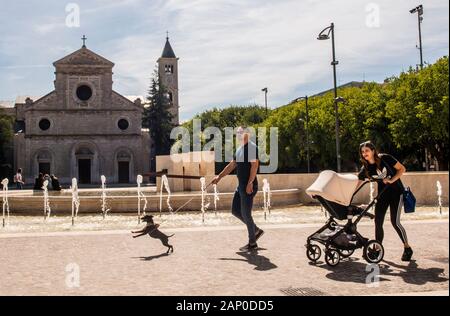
(152, 230)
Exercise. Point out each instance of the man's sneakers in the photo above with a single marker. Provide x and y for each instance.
(259, 233)
(249, 247)
(407, 254)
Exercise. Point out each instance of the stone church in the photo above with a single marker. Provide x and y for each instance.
(85, 129)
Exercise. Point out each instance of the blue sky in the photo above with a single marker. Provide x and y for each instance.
(228, 50)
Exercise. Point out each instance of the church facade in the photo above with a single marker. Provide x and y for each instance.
(85, 129)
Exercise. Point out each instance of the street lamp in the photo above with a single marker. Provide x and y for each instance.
(265, 90)
(307, 129)
(325, 35)
(419, 11)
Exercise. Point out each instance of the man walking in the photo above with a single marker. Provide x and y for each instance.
(246, 163)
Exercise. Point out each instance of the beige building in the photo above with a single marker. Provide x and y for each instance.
(83, 128)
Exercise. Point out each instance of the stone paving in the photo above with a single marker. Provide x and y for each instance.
(206, 261)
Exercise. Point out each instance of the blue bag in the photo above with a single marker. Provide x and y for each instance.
(409, 201)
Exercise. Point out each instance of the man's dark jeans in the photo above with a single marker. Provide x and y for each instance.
(242, 209)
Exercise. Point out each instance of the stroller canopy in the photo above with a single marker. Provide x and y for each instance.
(334, 187)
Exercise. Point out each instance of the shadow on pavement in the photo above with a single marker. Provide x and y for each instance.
(261, 263)
(153, 257)
(349, 270)
(353, 270)
(412, 274)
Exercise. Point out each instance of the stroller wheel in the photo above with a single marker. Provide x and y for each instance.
(346, 253)
(373, 251)
(313, 252)
(332, 257)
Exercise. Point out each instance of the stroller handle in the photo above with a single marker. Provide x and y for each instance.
(364, 183)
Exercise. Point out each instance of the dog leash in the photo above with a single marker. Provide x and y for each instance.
(189, 200)
(180, 207)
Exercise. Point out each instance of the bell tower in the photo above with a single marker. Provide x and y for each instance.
(168, 74)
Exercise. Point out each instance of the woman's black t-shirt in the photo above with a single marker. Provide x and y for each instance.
(387, 171)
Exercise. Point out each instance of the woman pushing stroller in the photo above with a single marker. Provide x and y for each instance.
(387, 168)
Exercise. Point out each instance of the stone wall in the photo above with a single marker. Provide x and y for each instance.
(124, 200)
(423, 185)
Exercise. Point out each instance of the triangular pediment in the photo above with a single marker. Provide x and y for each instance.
(84, 56)
(124, 102)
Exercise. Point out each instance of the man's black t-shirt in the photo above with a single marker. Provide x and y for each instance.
(243, 156)
(387, 171)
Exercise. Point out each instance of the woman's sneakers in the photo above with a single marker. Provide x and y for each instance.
(407, 254)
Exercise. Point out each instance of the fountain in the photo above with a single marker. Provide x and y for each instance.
(164, 184)
(47, 209)
(5, 200)
(141, 196)
(105, 208)
(216, 198)
(439, 194)
(266, 193)
(204, 205)
(75, 200)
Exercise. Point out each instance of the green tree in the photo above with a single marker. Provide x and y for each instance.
(403, 116)
(418, 111)
(232, 116)
(157, 116)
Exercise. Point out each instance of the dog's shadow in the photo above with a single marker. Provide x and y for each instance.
(261, 263)
(150, 258)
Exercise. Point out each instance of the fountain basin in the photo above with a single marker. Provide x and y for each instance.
(125, 200)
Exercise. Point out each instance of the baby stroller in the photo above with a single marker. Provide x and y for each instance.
(335, 192)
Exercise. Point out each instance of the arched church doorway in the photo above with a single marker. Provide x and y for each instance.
(44, 160)
(123, 166)
(84, 157)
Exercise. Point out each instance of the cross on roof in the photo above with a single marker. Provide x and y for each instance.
(84, 38)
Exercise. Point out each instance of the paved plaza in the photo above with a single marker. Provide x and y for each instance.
(206, 261)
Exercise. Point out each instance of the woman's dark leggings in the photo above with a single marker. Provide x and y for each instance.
(394, 201)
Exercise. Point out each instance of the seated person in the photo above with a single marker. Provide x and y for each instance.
(39, 182)
(55, 183)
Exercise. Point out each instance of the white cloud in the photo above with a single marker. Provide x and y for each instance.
(230, 49)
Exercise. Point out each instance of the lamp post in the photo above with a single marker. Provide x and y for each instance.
(419, 11)
(325, 35)
(265, 90)
(307, 129)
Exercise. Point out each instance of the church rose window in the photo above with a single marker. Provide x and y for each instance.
(123, 124)
(44, 124)
(84, 92)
